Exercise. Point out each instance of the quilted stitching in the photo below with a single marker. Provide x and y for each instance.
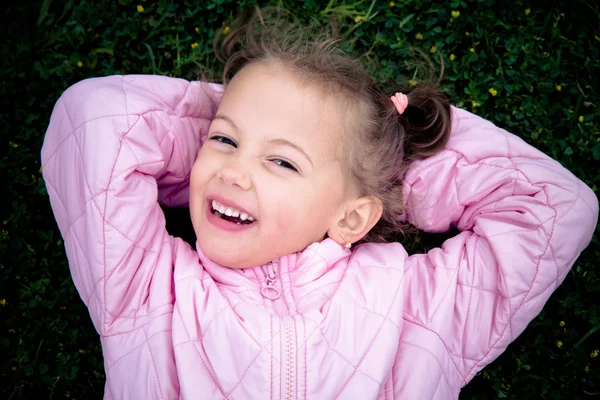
(125, 102)
(145, 342)
(249, 335)
(102, 216)
(464, 335)
(318, 329)
(210, 374)
(444, 373)
(386, 318)
(153, 363)
(445, 346)
(149, 322)
(525, 299)
(152, 323)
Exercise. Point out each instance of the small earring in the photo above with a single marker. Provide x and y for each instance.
(348, 244)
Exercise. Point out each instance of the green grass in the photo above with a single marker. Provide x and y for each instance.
(531, 67)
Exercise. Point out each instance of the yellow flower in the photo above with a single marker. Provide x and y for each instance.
(467, 34)
(226, 30)
(81, 351)
(561, 324)
(587, 368)
(412, 82)
(455, 14)
(79, 64)
(475, 104)
(581, 118)
(13, 144)
(197, 29)
(452, 57)
(472, 50)
(527, 11)
(594, 353)
(392, 4)
(3, 302)
(493, 91)
(558, 87)
(433, 49)
(40, 171)
(140, 8)
(194, 45)
(419, 36)
(559, 344)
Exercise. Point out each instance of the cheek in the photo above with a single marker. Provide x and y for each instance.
(299, 211)
(199, 177)
(202, 169)
(195, 196)
(196, 179)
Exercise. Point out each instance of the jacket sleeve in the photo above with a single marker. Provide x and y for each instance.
(523, 221)
(114, 146)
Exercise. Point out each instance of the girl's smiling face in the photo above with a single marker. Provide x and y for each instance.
(273, 154)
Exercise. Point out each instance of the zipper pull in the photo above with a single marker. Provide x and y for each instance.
(270, 291)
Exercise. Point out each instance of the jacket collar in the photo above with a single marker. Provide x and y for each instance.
(304, 267)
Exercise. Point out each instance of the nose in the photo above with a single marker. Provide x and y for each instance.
(236, 175)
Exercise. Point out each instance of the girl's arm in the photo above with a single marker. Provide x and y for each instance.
(524, 220)
(115, 146)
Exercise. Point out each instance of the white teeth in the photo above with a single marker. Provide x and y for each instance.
(230, 212)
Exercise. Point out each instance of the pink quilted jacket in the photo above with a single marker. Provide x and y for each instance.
(373, 322)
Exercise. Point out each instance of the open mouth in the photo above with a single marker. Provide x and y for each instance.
(231, 214)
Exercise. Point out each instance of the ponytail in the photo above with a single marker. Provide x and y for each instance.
(426, 122)
(408, 128)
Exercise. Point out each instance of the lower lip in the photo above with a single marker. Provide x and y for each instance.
(226, 225)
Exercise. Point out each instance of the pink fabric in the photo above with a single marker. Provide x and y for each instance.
(371, 322)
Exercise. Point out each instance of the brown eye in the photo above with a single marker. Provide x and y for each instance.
(284, 164)
(224, 140)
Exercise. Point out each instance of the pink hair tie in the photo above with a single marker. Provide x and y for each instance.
(400, 101)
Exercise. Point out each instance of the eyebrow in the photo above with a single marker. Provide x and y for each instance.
(292, 145)
(278, 141)
(226, 119)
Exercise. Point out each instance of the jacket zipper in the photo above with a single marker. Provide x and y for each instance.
(272, 292)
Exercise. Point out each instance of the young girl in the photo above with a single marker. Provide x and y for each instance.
(292, 177)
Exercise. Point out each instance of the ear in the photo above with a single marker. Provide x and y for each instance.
(356, 219)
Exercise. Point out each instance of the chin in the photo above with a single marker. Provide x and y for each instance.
(227, 256)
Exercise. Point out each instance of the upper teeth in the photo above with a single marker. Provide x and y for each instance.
(230, 212)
